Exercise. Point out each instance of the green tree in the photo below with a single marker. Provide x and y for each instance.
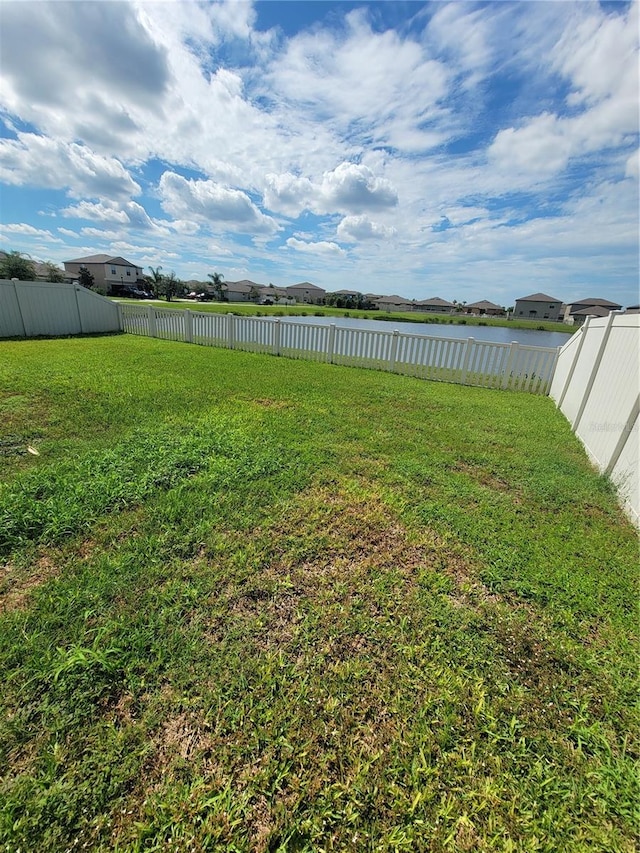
(217, 281)
(254, 293)
(156, 280)
(16, 265)
(85, 278)
(170, 286)
(54, 273)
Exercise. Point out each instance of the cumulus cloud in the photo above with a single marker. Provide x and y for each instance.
(355, 228)
(26, 230)
(34, 160)
(320, 248)
(56, 56)
(349, 188)
(228, 209)
(96, 211)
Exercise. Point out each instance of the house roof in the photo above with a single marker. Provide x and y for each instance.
(537, 297)
(484, 303)
(346, 293)
(103, 259)
(593, 310)
(244, 282)
(396, 300)
(605, 303)
(307, 286)
(436, 301)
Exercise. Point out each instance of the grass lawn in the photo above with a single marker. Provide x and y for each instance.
(249, 309)
(254, 604)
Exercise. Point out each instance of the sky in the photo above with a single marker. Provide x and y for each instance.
(462, 150)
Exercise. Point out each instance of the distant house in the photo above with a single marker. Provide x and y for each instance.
(393, 303)
(275, 296)
(577, 312)
(307, 292)
(110, 274)
(538, 306)
(484, 308)
(242, 291)
(434, 306)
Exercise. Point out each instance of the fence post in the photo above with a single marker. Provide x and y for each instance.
(153, 328)
(15, 290)
(276, 337)
(393, 355)
(595, 368)
(513, 354)
(331, 342)
(624, 436)
(231, 330)
(583, 334)
(76, 288)
(467, 359)
(119, 314)
(188, 326)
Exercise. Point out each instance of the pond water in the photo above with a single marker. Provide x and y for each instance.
(497, 334)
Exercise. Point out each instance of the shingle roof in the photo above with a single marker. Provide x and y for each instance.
(484, 303)
(435, 301)
(605, 303)
(538, 297)
(306, 284)
(593, 310)
(102, 259)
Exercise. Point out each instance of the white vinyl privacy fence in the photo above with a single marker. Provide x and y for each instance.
(31, 308)
(469, 362)
(597, 387)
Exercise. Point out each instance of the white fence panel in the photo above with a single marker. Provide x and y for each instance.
(470, 362)
(135, 319)
(11, 323)
(598, 389)
(31, 308)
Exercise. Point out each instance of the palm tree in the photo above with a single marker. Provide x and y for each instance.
(216, 279)
(157, 277)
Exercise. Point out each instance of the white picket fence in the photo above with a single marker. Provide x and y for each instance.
(597, 387)
(468, 362)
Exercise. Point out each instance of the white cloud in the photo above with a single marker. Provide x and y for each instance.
(26, 230)
(96, 211)
(354, 228)
(34, 160)
(221, 207)
(320, 248)
(97, 232)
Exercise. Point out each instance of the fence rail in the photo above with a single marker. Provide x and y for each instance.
(468, 362)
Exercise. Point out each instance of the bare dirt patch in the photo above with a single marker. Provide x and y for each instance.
(17, 584)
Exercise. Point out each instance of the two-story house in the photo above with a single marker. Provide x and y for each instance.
(110, 274)
(538, 306)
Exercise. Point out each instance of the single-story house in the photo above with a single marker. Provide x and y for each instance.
(307, 292)
(242, 291)
(484, 308)
(394, 303)
(538, 306)
(110, 274)
(434, 306)
(270, 295)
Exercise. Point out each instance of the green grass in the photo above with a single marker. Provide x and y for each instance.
(247, 309)
(254, 604)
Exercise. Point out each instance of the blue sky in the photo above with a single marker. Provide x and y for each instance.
(462, 150)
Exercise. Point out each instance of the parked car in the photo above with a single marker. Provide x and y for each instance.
(133, 293)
